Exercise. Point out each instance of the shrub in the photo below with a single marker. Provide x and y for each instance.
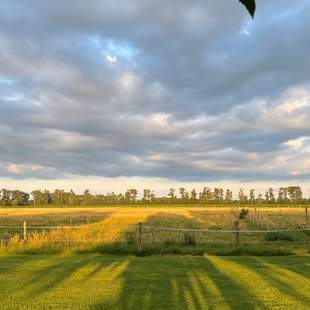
(190, 239)
(243, 214)
(250, 250)
(279, 236)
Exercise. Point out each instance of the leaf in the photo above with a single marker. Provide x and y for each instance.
(250, 5)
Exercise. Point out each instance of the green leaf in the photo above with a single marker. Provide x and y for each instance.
(250, 5)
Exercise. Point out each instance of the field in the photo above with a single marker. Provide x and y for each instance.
(94, 281)
(175, 230)
(210, 270)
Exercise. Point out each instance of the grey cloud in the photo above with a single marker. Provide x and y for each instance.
(195, 92)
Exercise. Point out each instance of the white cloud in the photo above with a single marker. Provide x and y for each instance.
(110, 58)
(177, 90)
(22, 168)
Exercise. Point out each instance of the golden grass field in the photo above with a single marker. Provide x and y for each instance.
(91, 226)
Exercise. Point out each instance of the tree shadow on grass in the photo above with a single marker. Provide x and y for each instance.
(9, 263)
(49, 277)
(278, 277)
(180, 283)
(170, 282)
(152, 229)
(236, 296)
(302, 268)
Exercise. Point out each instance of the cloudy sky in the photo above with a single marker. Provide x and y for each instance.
(153, 94)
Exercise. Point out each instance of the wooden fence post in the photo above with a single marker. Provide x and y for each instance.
(140, 237)
(153, 234)
(25, 230)
(237, 233)
(306, 213)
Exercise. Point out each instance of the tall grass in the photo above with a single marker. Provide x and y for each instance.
(114, 231)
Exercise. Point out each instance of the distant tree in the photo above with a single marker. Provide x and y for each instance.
(218, 195)
(37, 197)
(87, 197)
(73, 199)
(281, 195)
(228, 196)
(46, 198)
(182, 192)
(147, 195)
(58, 197)
(252, 196)
(203, 195)
(131, 195)
(5, 197)
(171, 194)
(193, 196)
(19, 198)
(134, 194)
(209, 195)
(269, 196)
(242, 197)
(295, 194)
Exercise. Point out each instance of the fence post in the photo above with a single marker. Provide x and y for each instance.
(306, 213)
(237, 233)
(140, 237)
(25, 230)
(153, 234)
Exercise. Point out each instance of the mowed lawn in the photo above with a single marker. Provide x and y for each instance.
(168, 282)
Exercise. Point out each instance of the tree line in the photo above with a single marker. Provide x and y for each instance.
(285, 195)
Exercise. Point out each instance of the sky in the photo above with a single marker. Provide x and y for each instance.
(160, 94)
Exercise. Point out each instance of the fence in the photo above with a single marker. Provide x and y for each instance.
(143, 233)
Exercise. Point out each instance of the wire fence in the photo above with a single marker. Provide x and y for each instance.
(147, 233)
(259, 225)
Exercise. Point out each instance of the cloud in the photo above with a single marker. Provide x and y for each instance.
(186, 91)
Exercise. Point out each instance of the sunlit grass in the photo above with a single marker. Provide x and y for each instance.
(115, 225)
(170, 282)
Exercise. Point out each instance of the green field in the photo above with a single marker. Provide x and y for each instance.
(77, 276)
(169, 282)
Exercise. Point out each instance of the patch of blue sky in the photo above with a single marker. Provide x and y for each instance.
(14, 97)
(8, 89)
(113, 49)
(247, 28)
(5, 80)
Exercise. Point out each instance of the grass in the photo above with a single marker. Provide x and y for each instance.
(78, 276)
(109, 230)
(94, 281)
